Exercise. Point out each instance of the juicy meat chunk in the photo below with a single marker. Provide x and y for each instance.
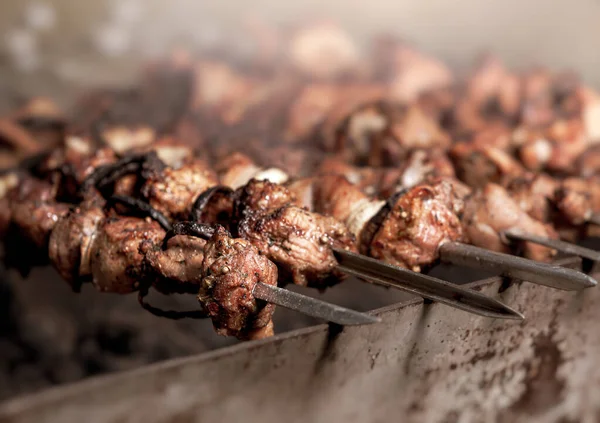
(534, 193)
(178, 268)
(261, 197)
(334, 195)
(230, 270)
(418, 223)
(574, 199)
(116, 260)
(423, 165)
(173, 191)
(34, 211)
(558, 149)
(491, 211)
(71, 242)
(299, 242)
(588, 162)
(477, 165)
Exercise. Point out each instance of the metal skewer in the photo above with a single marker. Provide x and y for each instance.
(279, 296)
(380, 273)
(562, 246)
(515, 267)
(311, 306)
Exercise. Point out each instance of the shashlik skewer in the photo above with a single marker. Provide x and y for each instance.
(424, 166)
(265, 215)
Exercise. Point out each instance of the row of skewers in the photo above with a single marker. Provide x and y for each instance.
(390, 168)
(307, 230)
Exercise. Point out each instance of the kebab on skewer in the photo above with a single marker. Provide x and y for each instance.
(322, 246)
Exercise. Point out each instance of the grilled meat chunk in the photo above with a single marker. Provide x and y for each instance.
(491, 211)
(574, 198)
(298, 241)
(173, 191)
(116, 260)
(176, 269)
(230, 270)
(534, 193)
(34, 211)
(477, 165)
(71, 241)
(419, 221)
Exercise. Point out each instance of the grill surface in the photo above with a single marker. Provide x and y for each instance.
(424, 363)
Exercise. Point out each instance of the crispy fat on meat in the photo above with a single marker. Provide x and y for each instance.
(419, 221)
(116, 260)
(491, 211)
(230, 270)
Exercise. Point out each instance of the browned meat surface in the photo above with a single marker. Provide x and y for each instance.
(230, 270)
(424, 165)
(34, 211)
(178, 268)
(416, 130)
(299, 242)
(476, 165)
(421, 219)
(334, 195)
(116, 261)
(558, 149)
(534, 193)
(235, 170)
(575, 201)
(588, 163)
(71, 241)
(173, 191)
(368, 179)
(261, 197)
(491, 211)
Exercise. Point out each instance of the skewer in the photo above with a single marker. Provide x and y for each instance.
(379, 273)
(562, 246)
(515, 267)
(311, 306)
(280, 296)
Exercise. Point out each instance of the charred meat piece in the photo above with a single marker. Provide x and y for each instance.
(297, 240)
(34, 212)
(230, 270)
(491, 211)
(416, 224)
(534, 193)
(476, 165)
(71, 241)
(173, 191)
(575, 199)
(424, 165)
(557, 149)
(116, 260)
(176, 269)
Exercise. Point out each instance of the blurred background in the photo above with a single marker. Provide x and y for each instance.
(56, 46)
(61, 48)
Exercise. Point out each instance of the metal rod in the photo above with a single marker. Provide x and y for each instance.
(562, 246)
(515, 267)
(377, 272)
(311, 306)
